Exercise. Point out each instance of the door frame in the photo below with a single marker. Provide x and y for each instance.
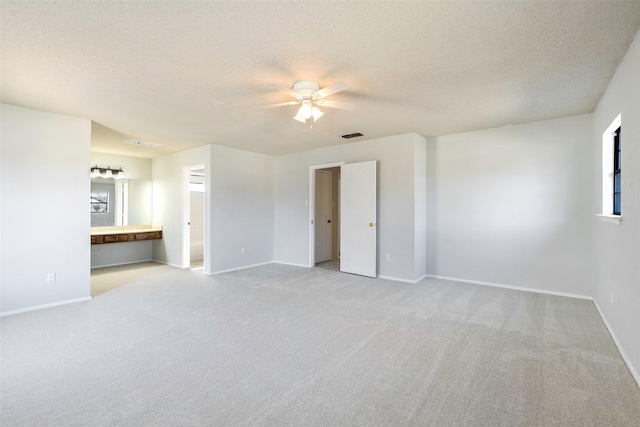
(323, 173)
(186, 211)
(312, 208)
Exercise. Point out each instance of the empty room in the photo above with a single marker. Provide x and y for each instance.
(343, 213)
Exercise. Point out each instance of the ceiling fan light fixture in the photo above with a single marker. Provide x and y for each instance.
(316, 113)
(305, 109)
(309, 96)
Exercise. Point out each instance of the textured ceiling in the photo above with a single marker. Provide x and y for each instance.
(186, 74)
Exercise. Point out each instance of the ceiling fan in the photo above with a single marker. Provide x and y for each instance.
(309, 95)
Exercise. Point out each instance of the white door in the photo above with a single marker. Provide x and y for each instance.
(322, 221)
(358, 219)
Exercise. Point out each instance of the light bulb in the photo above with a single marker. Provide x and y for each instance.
(316, 113)
(108, 173)
(300, 119)
(305, 110)
(95, 172)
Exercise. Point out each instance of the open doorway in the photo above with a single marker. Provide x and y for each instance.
(324, 212)
(349, 225)
(194, 245)
(326, 205)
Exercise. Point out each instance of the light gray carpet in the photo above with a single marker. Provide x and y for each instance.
(333, 264)
(287, 346)
(106, 279)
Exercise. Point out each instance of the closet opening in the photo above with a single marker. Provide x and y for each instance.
(327, 218)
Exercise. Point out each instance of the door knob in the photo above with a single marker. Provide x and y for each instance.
(371, 224)
(328, 220)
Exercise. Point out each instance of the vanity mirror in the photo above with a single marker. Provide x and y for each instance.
(120, 202)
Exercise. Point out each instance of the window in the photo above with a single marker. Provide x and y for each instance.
(617, 187)
(611, 173)
(196, 181)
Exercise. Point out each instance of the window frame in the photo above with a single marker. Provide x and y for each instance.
(608, 144)
(617, 173)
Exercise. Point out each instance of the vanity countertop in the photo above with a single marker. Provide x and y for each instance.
(124, 229)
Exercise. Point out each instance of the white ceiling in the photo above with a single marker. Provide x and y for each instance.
(186, 74)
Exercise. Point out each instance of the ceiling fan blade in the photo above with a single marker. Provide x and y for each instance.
(282, 104)
(330, 90)
(285, 90)
(336, 104)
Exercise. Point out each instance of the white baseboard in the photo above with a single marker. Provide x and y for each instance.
(424, 276)
(121, 263)
(291, 263)
(238, 268)
(516, 288)
(167, 263)
(39, 307)
(172, 265)
(626, 359)
(397, 279)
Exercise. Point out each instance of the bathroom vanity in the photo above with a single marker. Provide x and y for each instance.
(125, 233)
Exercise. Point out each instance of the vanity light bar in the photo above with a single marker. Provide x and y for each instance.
(107, 172)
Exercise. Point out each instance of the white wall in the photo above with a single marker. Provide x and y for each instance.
(420, 208)
(168, 202)
(616, 263)
(396, 158)
(242, 208)
(135, 168)
(512, 205)
(432, 256)
(238, 206)
(120, 253)
(45, 217)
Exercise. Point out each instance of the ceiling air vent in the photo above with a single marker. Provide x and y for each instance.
(352, 135)
(141, 143)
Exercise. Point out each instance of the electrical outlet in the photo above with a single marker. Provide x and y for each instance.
(51, 278)
(243, 251)
(387, 257)
(306, 203)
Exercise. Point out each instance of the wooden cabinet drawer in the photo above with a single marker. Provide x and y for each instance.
(115, 238)
(99, 239)
(146, 236)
